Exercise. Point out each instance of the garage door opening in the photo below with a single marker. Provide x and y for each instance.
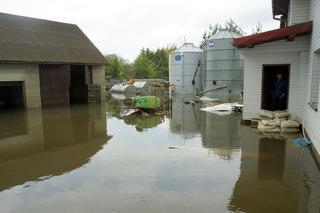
(11, 94)
(275, 87)
(81, 77)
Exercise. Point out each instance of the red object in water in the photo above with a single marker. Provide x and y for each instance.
(288, 33)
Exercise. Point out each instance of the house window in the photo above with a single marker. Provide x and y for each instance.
(315, 80)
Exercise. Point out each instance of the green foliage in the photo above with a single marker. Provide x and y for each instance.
(153, 64)
(148, 64)
(118, 67)
(144, 67)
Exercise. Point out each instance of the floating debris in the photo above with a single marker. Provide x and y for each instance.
(207, 99)
(302, 142)
(224, 109)
(146, 102)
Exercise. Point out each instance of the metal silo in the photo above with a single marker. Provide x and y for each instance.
(184, 69)
(222, 66)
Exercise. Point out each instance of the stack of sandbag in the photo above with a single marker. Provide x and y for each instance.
(290, 126)
(277, 121)
(267, 124)
(281, 114)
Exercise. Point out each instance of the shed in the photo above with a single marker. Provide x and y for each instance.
(281, 51)
(47, 63)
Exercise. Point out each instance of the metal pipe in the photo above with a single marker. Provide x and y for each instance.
(209, 90)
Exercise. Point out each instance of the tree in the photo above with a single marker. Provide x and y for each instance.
(144, 67)
(118, 67)
(156, 63)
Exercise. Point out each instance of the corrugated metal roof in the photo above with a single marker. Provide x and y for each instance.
(225, 34)
(274, 35)
(30, 40)
(188, 47)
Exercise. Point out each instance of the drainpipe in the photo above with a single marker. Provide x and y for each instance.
(283, 20)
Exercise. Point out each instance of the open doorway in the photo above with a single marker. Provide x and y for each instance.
(81, 77)
(270, 75)
(11, 94)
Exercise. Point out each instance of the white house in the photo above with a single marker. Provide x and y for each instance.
(293, 50)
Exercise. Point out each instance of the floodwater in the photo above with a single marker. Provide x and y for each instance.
(105, 159)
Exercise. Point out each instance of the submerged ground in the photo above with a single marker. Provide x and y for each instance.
(105, 159)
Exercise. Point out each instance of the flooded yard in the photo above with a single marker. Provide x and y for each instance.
(105, 159)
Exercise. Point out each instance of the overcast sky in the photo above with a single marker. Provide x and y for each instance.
(125, 26)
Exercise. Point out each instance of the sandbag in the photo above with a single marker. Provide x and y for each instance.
(281, 114)
(266, 114)
(290, 130)
(290, 124)
(264, 128)
(275, 122)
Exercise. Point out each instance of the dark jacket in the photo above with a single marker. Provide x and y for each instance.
(279, 88)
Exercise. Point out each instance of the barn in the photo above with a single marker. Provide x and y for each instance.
(46, 63)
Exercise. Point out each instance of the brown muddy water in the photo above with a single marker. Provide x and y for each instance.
(104, 159)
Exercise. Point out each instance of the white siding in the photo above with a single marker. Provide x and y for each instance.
(315, 16)
(315, 78)
(312, 125)
(311, 117)
(301, 55)
(299, 11)
(281, 52)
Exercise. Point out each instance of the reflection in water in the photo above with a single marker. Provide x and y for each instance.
(221, 134)
(49, 142)
(219, 165)
(13, 125)
(141, 121)
(185, 119)
(275, 177)
(271, 158)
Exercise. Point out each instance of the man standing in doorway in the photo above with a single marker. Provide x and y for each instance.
(279, 93)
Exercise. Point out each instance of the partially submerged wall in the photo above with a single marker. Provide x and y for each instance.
(281, 52)
(54, 84)
(98, 77)
(312, 117)
(27, 73)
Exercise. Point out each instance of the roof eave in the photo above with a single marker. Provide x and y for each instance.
(57, 63)
(289, 33)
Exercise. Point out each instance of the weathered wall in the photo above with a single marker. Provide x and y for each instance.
(54, 85)
(281, 52)
(29, 74)
(98, 77)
